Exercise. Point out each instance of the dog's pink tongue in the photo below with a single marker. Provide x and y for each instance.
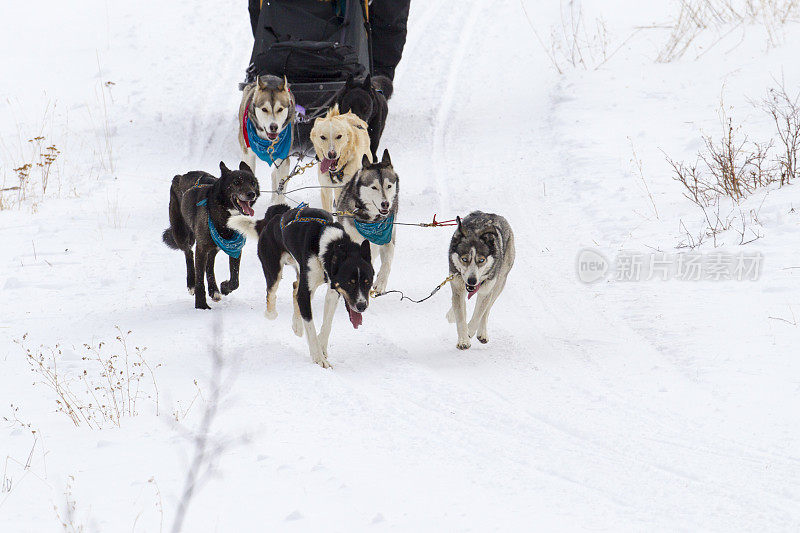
(355, 317)
(325, 165)
(246, 208)
(472, 292)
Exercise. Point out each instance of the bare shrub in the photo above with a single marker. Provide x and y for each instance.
(785, 114)
(106, 390)
(727, 167)
(207, 447)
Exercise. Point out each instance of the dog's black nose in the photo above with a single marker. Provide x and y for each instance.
(361, 306)
(331, 155)
(384, 205)
(472, 281)
(273, 127)
(251, 195)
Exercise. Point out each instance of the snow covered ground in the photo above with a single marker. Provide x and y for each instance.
(618, 405)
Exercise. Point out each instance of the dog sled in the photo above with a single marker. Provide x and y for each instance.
(317, 45)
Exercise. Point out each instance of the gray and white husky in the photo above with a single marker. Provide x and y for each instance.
(481, 256)
(372, 196)
(269, 105)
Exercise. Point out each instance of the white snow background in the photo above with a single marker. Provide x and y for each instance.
(647, 406)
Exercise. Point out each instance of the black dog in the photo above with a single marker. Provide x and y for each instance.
(321, 252)
(368, 99)
(215, 213)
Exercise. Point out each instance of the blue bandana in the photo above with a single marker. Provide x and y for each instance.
(265, 149)
(376, 232)
(232, 247)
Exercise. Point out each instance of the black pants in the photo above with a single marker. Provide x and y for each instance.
(388, 19)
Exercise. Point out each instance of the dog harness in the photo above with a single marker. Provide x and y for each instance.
(298, 218)
(265, 149)
(376, 232)
(232, 247)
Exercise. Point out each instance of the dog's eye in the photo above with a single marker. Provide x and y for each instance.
(388, 186)
(323, 137)
(279, 110)
(264, 109)
(339, 136)
(353, 281)
(465, 259)
(374, 187)
(480, 260)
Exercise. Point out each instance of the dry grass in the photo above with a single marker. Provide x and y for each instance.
(576, 43)
(32, 176)
(109, 387)
(720, 17)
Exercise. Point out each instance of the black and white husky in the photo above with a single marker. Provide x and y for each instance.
(481, 255)
(322, 253)
(372, 196)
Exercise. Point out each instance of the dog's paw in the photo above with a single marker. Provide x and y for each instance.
(380, 285)
(201, 305)
(322, 361)
(271, 314)
(191, 290)
(227, 287)
(463, 345)
(216, 296)
(484, 338)
(297, 325)
(451, 315)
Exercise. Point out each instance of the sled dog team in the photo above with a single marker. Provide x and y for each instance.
(208, 214)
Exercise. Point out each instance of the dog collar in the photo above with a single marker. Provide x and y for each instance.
(232, 247)
(376, 232)
(266, 150)
(338, 174)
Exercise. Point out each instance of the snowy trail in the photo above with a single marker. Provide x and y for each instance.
(573, 416)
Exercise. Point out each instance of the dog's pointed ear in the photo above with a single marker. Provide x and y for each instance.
(366, 251)
(335, 110)
(261, 84)
(338, 255)
(367, 81)
(364, 161)
(222, 168)
(460, 227)
(489, 236)
(285, 86)
(244, 167)
(386, 160)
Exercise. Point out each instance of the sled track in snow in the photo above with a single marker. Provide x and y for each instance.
(446, 105)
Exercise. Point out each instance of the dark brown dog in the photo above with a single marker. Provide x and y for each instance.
(208, 211)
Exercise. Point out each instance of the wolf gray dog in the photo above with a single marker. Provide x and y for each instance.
(268, 105)
(372, 196)
(481, 256)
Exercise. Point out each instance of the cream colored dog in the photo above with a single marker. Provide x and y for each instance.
(340, 141)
